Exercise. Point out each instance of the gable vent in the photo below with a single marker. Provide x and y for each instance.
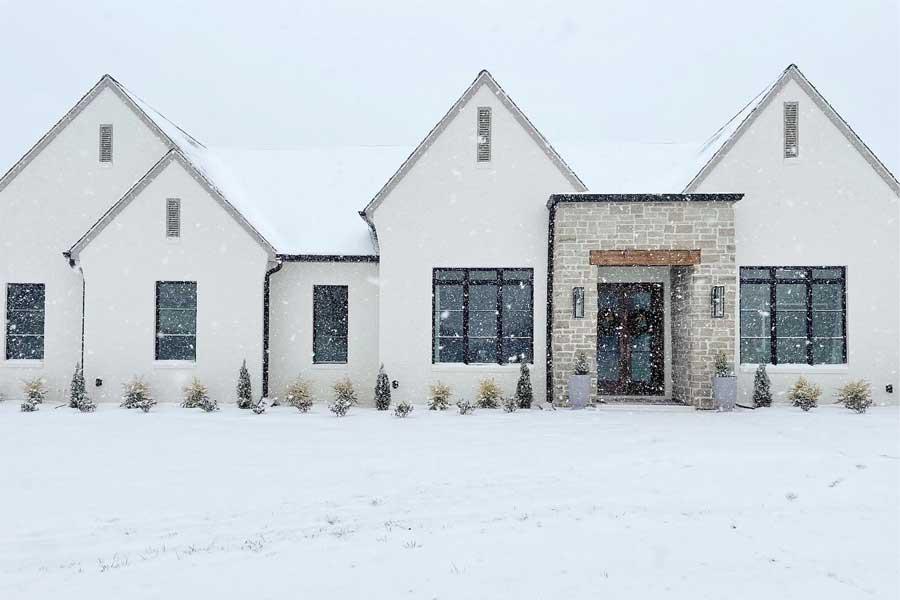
(173, 218)
(106, 142)
(484, 134)
(791, 133)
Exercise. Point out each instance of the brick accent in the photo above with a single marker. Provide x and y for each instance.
(579, 227)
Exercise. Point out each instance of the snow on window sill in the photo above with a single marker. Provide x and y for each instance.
(797, 368)
(330, 366)
(22, 363)
(479, 367)
(174, 364)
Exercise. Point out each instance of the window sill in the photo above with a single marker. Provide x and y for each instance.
(174, 364)
(797, 368)
(25, 363)
(483, 367)
(335, 366)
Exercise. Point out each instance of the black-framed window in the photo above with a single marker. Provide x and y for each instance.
(176, 320)
(25, 305)
(330, 309)
(793, 315)
(482, 315)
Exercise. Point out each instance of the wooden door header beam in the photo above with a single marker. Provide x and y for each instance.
(645, 258)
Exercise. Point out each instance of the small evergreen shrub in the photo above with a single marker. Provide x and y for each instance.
(298, 395)
(855, 395)
(244, 388)
(35, 392)
(136, 394)
(440, 397)
(77, 390)
(340, 406)
(524, 391)
(382, 390)
(344, 397)
(721, 365)
(582, 366)
(805, 394)
(762, 388)
(489, 394)
(511, 405)
(465, 407)
(259, 407)
(196, 395)
(403, 409)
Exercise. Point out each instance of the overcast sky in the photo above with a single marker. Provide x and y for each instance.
(281, 74)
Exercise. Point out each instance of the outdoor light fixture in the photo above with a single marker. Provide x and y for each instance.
(578, 302)
(717, 302)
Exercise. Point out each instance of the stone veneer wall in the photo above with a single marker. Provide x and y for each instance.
(579, 227)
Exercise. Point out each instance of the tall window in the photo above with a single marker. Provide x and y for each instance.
(483, 315)
(793, 315)
(25, 321)
(484, 134)
(106, 143)
(176, 320)
(330, 324)
(791, 130)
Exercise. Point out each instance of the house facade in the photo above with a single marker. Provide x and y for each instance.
(129, 246)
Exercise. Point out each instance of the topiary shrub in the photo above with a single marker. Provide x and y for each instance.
(582, 366)
(465, 407)
(403, 409)
(762, 388)
(855, 395)
(524, 391)
(77, 389)
(244, 388)
(721, 365)
(299, 395)
(136, 394)
(440, 397)
(489, 394)
(805, 394)
(510, 405)
(382, 390)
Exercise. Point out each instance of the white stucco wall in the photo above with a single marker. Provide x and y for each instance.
(46, 208)
(450, 211)
(291, 328)
(121, 267)
(827, 207)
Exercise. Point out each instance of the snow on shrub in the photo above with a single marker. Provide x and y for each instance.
(77, 390)
(721, 365)
(582, 366)
(855, 395)
(465, 407)
(762, 388)
(524, 391)
(440, 397)
(344, 397)
(489, 394)
(244, 388)
(382, 390)
(805, 394)
(35, 392)
(136, 394)
(510, 404)
(403, 409)
(258, 408)
(196, 395)
(298, 395)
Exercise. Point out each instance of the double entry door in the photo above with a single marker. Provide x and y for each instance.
(630, 345)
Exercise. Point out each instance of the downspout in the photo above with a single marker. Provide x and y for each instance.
(549, 350)
(72, 265)
(265, 373)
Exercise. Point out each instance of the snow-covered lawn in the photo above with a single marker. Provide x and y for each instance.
(619, 502)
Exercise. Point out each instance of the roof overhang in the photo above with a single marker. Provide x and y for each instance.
(559, 198)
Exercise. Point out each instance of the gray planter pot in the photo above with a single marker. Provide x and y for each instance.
(579, 391)
(725, 392)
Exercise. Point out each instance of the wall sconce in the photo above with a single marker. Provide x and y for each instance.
(717, 302)
(578, 302)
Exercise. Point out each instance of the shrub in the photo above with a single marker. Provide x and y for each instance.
(510, 404)
(524, 391)
(582, 367)
(805, 394)
(465, 407)
(489, 394)
(440, 397)
(35, 392)
(340, 406)
(855, 395)
(298, 395)
(762, 388)
(344, 389)
(382, 390)
(258, 408)
(244, 388)
(77, 390)
(196, 395)
(136, 394)
(403, 409)
(721, 365)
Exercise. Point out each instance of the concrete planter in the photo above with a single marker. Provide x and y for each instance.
(579, 391)
(725, 392)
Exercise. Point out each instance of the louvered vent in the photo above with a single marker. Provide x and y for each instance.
(791, 133)
(484, 134)
(173, 218)
(106, 143)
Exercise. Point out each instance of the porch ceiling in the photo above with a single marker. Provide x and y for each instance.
(645, 258)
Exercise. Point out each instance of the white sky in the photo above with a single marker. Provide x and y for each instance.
(281, 74)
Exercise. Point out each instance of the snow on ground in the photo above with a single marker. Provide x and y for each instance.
(619, 502)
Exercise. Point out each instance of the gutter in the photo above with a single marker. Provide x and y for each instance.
(266, 295)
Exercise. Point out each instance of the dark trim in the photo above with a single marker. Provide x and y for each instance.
(157, 334)
(551, 238)
(265, 357)
(557, 198)
(327, 257)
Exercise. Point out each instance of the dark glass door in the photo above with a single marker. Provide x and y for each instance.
(630, 351)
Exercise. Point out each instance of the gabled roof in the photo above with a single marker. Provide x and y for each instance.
(727, 136)
(484, 78)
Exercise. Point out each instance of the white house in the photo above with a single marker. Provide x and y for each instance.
(131, 247)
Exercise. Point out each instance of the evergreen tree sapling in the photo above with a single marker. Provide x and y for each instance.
(403, 409)
(35, 390)
(440, 396)
(582, 367)
(244, 388)
(382, 390)
(762, 388)
(855, 395)
(805, 394)
(524, 391)
(489, 394)
(77, 391)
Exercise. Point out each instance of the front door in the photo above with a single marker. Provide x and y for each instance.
(630, 339)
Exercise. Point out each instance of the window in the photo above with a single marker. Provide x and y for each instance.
(484, 134)
(482, 315)
(791, 123)
(176, 320)
(793, 315)
(106, 143)
(330, 324)
(25, 321)
(173, 218)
